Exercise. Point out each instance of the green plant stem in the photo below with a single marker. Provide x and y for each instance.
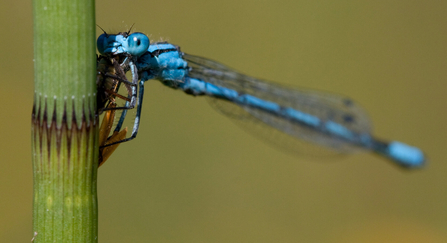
(64, 124)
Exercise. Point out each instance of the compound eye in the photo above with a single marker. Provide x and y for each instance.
(137, 43)
(101, 43)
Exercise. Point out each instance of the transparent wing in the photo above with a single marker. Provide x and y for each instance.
(325, 106)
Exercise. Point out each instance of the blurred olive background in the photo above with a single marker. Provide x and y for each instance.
(193, 176)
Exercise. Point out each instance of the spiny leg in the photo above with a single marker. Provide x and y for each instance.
(134, 72)
(137, 118)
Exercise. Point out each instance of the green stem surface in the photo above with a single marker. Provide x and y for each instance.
(64, 122)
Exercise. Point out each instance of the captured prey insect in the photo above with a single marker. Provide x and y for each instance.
(110, 75)
(332, 121)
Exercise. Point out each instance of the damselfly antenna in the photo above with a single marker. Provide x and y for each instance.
(128, 32)
(102, 29)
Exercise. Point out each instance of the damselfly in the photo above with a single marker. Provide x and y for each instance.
(332, 121)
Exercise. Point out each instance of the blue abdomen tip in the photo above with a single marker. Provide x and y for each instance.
(405, 154)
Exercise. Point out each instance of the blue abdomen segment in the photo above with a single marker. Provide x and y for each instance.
(404, 154)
